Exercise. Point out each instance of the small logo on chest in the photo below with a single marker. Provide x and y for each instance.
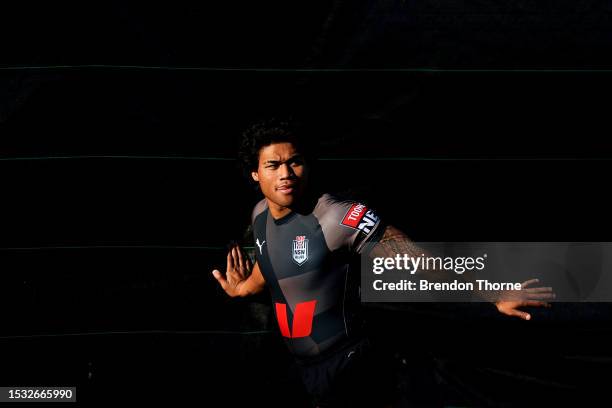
(300, 249)
(260, 245)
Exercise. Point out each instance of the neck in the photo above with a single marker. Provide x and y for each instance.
(278, 211)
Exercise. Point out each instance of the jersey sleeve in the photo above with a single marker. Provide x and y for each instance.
(348, 224)
(259, 208)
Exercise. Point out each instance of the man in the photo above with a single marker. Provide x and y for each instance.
(306, 247)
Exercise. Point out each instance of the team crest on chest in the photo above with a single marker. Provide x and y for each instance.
(300, 249)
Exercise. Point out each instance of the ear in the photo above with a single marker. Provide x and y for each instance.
(255, 175)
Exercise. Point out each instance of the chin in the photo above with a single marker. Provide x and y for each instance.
(285, 201)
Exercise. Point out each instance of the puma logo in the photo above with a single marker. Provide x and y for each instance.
(259, 245)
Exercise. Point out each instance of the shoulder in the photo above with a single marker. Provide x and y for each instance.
(345, 222)
(259, 208)
(340, 211)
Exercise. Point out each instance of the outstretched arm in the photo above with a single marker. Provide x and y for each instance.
(395, 242)
(241, 278)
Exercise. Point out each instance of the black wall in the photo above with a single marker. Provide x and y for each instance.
(456, 120)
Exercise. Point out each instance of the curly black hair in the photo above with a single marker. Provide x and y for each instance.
(267, 132)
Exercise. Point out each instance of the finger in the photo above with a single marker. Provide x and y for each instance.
(235, 257)
(520, 314)
(240, 257)
(536, 303)
(529, 282)
(538, 290)
(247, 264)
(230, 260)
(540, 296)
(219, 277)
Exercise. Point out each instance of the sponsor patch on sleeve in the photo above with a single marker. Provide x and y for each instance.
(360, 217)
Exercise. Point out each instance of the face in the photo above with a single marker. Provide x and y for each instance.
(282, 175)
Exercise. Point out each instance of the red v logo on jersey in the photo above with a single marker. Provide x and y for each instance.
(302, 319)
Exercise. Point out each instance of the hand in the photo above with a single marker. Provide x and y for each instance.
(237, 271)
(512, 300)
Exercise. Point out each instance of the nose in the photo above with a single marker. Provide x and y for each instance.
(286, 171)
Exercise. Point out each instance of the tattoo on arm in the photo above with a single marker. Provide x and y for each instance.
(395, 242)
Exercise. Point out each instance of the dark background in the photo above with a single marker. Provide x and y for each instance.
(456, 120)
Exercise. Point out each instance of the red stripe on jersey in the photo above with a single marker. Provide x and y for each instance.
(302, 319)
(281, 316)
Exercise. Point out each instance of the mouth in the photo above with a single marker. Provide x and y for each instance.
(286, 188)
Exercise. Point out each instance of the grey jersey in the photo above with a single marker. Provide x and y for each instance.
(310, 264)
